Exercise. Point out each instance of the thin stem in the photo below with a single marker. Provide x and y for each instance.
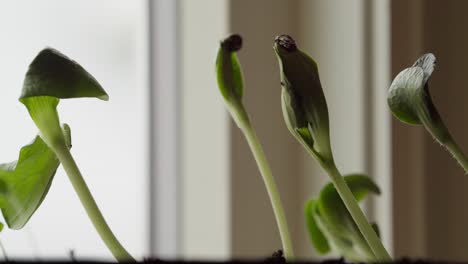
(5, 256)
(43, 111)
(241, 117)
(458, 154)
(87, 200)
(360, 219)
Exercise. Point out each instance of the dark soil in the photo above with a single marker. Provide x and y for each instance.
(276, 258)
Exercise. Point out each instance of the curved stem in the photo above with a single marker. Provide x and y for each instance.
(88, 202)
(43, 111)
(359, 218)
(242, 120)
(458, 154)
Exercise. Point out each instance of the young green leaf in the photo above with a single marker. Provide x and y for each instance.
(319, 241)
(333, 208)
(303, 101)
(53, 74)
(329, 220)
(27, 181)
(410, 101)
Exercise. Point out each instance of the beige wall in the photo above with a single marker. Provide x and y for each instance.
(206, 192)
(254, 231)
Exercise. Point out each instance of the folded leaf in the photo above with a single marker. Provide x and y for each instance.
(228, 69)
(27, 181)
(53, 74)
(336, 224)
(361, 185)
(303, 101)
(317, 237)
(410, 101)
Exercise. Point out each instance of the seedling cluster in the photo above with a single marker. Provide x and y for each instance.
(334, 219)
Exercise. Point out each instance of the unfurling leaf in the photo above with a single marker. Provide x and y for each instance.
(27, 181)
(303, 102)
(410, 101)
(316, 235)
(331, 225)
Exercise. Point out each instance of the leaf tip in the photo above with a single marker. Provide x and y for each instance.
(285, 42)
(232, 43)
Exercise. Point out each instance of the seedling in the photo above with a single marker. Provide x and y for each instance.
(230, 84)
(410, 101)
(332, 227)
(51, 77)
(305, 112)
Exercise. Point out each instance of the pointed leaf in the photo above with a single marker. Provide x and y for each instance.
(427, 63)
(27, 181)
(315, 234)
(53, 74)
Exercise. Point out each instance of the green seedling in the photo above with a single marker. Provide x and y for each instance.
(330, 225)
(410, 101)
(230, 84)
(306, 115)
(51, 77)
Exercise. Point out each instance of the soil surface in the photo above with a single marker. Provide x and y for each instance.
(276, 258)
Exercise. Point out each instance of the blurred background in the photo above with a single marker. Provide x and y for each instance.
(174, 176)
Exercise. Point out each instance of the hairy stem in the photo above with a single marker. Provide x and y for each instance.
(458, 154)
(242, 120)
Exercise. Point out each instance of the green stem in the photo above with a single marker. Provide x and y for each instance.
(457, 153)
(242, 120)
(359, 218)
(43, 111)
(87, 200)
(5, 256)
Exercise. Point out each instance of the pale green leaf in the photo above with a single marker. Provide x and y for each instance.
(315, 234)
(27, 181)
